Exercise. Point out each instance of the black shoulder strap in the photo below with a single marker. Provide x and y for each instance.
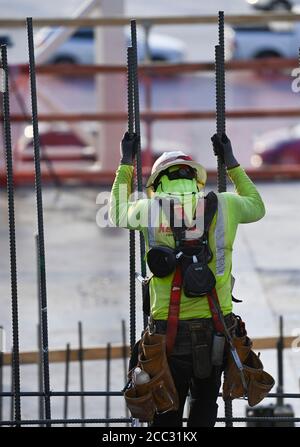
(210, 209)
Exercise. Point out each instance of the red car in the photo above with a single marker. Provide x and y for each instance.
(281, 146)
(58, 142)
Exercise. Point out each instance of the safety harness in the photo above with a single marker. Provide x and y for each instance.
(192, 247)
(198, 248)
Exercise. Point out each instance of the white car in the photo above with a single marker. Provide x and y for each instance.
(273, 5)
(79, 48)
(277, 39)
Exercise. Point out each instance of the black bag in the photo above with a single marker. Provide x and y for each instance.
(161, 261)
(198, 280)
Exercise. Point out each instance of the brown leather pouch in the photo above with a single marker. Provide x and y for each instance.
(153, 365)
(258, 381)
(160, 392)
(153, 345)
(140, 407)
(232, 386)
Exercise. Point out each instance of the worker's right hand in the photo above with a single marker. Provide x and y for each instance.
(223, 149)
(129, 146)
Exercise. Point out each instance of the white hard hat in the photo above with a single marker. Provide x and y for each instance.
(173, 158)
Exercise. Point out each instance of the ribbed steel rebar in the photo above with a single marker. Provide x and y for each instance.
(12, 235)
(126, 420)
(108, 371)
(39, 331)
(221, 128)
(132, 263)
(40, 220)
(67, 381)
(125, 360)
(137, 127)
(1, 385)
(220, 96)
(220, 122)
(120, 393)
(81, 370)
(40, 372)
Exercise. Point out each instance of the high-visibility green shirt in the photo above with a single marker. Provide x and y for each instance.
(243, 206)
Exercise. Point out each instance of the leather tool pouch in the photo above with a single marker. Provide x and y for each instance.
(159, 395)
(258, 381)
(201, 349)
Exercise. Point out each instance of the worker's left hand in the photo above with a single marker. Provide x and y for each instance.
(129, 146)
(223, 149)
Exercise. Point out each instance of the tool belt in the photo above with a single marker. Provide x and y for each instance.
(258, 381)
(159, 395)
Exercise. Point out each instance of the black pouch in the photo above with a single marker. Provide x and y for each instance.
(146, 297)
(201, 346)
(198, 280)
(161, 261)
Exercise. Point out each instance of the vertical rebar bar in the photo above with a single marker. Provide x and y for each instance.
(67, 379)
(132, 264)
(12, 399)
(12, 235)
(107, 400)
(280, 347)
(220, 97)
(2, 349)
(40, 373)
(81, 371)
(39, 330)
(125, 363)
(221, 128)
(40, 220)
(137, 129)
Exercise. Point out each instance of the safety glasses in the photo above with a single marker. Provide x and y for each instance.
(184, 172)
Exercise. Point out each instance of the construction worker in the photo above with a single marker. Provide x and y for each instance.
(176, 175)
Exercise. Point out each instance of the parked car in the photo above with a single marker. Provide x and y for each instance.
(273, 5)
(6, 40)
(79, 48)
(277, 39)
(280, 146)
(58, 142)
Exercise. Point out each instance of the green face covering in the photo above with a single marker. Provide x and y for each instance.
(176, 187)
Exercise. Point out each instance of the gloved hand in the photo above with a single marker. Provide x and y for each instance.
(128, 148)
(223, 149)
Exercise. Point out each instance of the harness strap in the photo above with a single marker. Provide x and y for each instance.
(213, 298)
(174, 308)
